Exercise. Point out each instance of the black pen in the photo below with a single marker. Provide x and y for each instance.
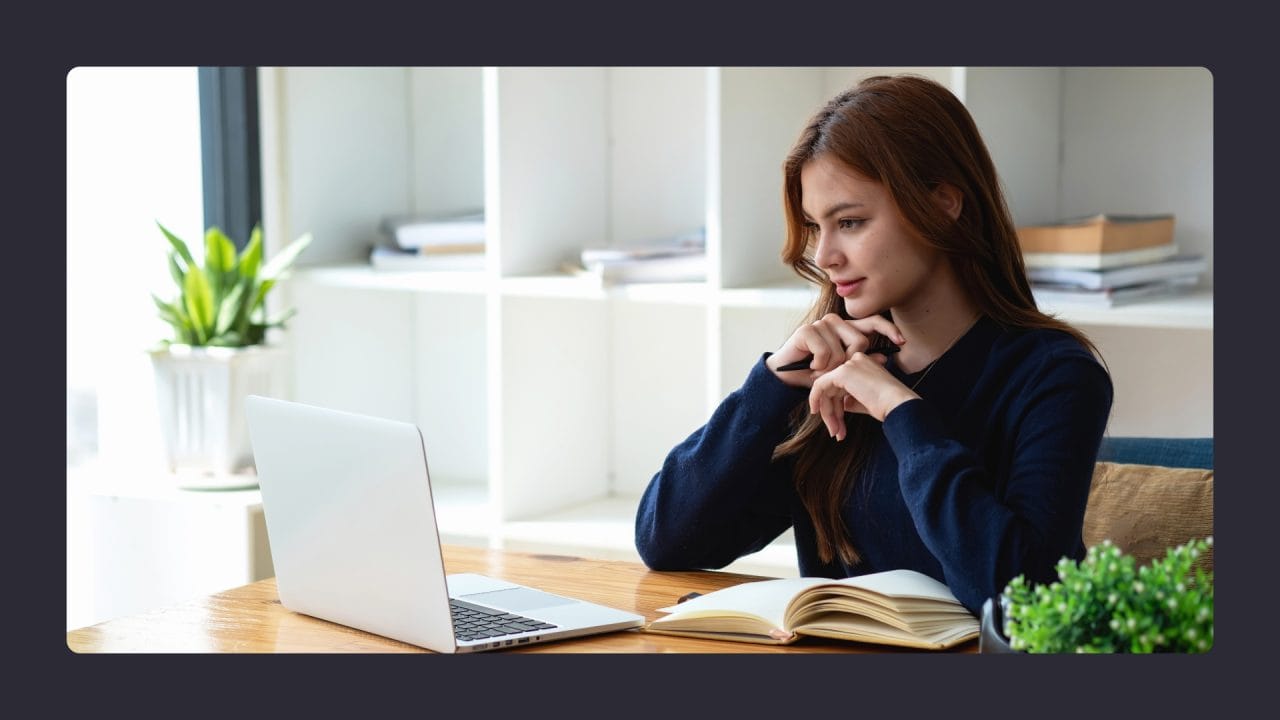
(803, 363)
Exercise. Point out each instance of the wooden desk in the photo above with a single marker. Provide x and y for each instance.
(250, 619)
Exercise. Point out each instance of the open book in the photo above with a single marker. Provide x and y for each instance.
(895, 607)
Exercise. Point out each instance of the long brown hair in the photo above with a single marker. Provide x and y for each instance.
(910, 134)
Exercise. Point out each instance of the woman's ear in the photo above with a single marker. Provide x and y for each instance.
(949, 198)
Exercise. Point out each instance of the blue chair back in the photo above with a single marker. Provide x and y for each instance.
(1169, 452)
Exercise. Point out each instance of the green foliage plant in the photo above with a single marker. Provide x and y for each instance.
(222, 302)
(1104, 604)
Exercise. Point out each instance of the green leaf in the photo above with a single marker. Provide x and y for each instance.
(220, 252)
(172, 315)
(178, 245)
(229, 310)
(282, 318)
(263, 289)
(175, 269)
(164, 306)
(227, 339)
(245, 307)
(285, 258)
(199, 300)
(251, 256)
(220, 261)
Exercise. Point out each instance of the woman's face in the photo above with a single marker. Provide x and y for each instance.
(860, 240)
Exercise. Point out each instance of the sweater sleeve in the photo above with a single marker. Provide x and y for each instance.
(718, 495)
(983, 530)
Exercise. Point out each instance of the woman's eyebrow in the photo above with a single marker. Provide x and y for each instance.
(838, 207)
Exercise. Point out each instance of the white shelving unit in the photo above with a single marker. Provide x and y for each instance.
(546, 401)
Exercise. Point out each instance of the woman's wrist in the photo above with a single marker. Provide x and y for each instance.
(898, 400)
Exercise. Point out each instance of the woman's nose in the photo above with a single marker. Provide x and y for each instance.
(824, 252)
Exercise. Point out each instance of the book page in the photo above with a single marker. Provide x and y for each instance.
(764, 599)
(852, 627)
(901, 584)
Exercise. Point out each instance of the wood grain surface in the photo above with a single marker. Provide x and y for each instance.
(250, 619)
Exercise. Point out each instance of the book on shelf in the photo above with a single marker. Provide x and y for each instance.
(1075, 296)
(1099, 260)
(693, 243)
(454, 233)
(678, 258)
(673, 268)
(1120, 276)
(1102, 233)
(895, 607)
(386, 257)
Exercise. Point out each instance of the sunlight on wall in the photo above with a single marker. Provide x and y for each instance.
(133, 158)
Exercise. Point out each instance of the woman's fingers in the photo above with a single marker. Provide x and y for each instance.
(855, 335)
(837, 392)
(825, 346)
(851, 338)
(827, 400)
(881, 325)
(831, 340)
(833, 415)
(851, 405)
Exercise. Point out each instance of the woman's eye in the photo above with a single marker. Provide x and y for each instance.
(850, 223)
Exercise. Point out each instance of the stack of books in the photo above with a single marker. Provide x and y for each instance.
(449, 242)
(679, 258)
(1107, 260)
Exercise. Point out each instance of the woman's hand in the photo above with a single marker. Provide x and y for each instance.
(861, 385)
(831, 340)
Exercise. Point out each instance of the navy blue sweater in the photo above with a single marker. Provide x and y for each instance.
(983, 478)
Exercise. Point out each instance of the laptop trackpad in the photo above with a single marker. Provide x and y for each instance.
(517, 599)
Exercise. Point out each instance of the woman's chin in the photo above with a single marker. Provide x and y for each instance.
(857, 308)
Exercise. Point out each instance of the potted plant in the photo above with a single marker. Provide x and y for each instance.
(219, 353)
(1104, 604)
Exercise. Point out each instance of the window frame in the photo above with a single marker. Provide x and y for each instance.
(230, 150)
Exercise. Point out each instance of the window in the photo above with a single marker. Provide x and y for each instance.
(177, 146)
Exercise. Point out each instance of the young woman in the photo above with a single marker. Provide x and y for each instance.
(967, 454)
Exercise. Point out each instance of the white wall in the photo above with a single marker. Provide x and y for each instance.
(1019, 112)
(1163, 380)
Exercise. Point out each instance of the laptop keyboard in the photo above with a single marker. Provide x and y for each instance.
(474, 622)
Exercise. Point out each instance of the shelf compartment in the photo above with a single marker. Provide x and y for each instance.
(550, 423)
(659, 382)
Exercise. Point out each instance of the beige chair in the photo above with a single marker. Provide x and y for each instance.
(1150, 494)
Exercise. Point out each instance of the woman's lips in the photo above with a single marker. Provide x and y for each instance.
(845, 289)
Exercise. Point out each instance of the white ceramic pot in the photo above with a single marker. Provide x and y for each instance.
(201, 392)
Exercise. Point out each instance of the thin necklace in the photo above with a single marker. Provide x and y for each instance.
(929, 367)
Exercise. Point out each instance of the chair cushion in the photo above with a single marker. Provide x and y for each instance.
(1146, 509)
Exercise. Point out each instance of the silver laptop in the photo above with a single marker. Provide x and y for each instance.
(352, 528)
